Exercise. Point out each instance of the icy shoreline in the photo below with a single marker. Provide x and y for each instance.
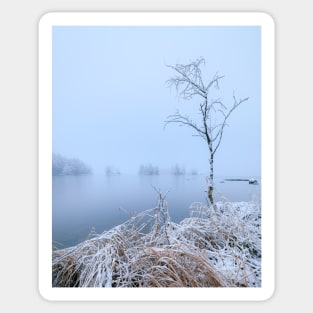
(214, 247)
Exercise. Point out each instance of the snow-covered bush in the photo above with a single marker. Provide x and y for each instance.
(212, 248)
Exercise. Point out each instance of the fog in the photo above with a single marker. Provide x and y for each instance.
(110, 98)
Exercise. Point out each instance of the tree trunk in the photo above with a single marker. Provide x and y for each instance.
(210, 189)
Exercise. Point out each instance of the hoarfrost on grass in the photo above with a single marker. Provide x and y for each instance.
(214, 247)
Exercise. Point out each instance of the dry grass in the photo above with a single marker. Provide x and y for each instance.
(175, 266)
(218, 247)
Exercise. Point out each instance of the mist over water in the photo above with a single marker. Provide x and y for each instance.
(82, 202)
(110, 103)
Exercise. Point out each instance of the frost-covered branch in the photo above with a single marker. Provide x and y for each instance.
(183, 120)
(190, 80)
(220, 133)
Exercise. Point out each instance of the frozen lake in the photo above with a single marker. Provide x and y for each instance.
(82, 202)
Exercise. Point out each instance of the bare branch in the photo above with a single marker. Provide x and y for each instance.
(236, 104)
(191, 77)
(183, 121)
(215, 102)
(213, 128)
(215, 81)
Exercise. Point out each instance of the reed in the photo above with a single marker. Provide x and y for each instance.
(218, 247)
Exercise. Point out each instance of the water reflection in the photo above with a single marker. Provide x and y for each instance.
(82, 202)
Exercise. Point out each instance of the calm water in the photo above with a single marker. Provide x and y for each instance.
(82, 202)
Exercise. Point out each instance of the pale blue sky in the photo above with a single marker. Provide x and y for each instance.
(110, 100)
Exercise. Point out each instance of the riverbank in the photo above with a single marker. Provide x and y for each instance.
(218, 247)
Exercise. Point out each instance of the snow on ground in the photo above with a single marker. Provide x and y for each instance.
(217, 246)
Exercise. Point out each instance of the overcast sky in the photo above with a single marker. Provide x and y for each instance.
(110, 98)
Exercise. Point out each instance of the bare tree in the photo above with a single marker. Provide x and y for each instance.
(214, 114)
(177, 170)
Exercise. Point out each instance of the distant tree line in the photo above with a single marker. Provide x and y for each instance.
(194, 172)
(148, 169)
(68, 166)
(178, 170)
(111, 170)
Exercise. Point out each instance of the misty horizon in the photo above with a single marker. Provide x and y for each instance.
(110, 99)
(166, 170)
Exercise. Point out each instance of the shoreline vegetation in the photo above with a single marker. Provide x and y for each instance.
(217, 246)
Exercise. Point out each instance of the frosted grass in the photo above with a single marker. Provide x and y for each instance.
(215, 247)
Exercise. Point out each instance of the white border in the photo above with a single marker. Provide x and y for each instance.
(268, 148)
